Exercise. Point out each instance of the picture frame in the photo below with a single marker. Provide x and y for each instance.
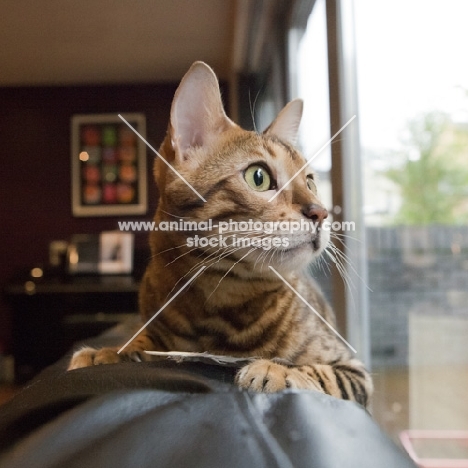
(108, 165)
(115, 252)
(106, 253)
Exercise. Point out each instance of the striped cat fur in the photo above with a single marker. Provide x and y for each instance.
(238, 306)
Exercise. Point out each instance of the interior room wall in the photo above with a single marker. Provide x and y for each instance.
(35, 201)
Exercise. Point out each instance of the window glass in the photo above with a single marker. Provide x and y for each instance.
(413, 115)
(412, 91)
(309, 70)
(308, 73)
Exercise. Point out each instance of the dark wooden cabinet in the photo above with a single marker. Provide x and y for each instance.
(49, 315)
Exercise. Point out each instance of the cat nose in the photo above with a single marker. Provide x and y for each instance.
(315, 212)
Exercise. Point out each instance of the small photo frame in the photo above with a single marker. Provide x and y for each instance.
(107, 253)
(108, 165)
(115, 252)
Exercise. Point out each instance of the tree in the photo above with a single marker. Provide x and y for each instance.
(433, 180)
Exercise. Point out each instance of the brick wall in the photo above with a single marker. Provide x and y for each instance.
(412, 270)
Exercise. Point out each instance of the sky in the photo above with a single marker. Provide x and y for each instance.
(412, 57)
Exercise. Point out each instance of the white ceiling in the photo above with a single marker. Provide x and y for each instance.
(66, 42)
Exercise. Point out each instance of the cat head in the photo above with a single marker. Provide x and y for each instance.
(214, 170)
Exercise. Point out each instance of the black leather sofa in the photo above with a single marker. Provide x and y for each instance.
(168, 414)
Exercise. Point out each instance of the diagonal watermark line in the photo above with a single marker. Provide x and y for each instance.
(312, 309)
(161, 309)
(312, 158)
(165, 162)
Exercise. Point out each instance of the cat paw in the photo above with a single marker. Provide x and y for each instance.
(92, 357)
(269, 377)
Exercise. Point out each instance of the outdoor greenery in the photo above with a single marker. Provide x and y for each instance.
(433, 179)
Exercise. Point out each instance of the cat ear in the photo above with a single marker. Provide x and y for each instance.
(197, 113)
(286, 124)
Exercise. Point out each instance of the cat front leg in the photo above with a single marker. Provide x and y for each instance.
(269, 377)
(87, 356)
(345, 379)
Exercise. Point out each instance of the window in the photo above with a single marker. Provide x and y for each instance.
(413, 87)
(309, 79)
(400, 66)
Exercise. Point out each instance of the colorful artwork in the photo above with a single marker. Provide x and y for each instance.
(109, 165)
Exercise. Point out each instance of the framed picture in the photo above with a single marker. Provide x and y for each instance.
(110, 252)
(108, 165)
(116, 252)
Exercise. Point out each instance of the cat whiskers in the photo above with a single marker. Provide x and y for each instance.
(197, 265)
(177, 216)
(343, 263)
(227, 272)
(264, 254)
(254, 248)
(272, 251)
(322, 265)
(215, 254)
(252, 109)
(185, 253)
(207, 261)
(345, 258)
(178, 247)
(338, 258)
(339, 237)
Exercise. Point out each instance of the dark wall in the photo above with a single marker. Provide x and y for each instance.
(35, 201)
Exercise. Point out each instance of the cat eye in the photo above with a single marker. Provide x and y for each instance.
(258, 178)
(311, 183)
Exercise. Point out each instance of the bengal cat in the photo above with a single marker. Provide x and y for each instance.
(238, 305)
